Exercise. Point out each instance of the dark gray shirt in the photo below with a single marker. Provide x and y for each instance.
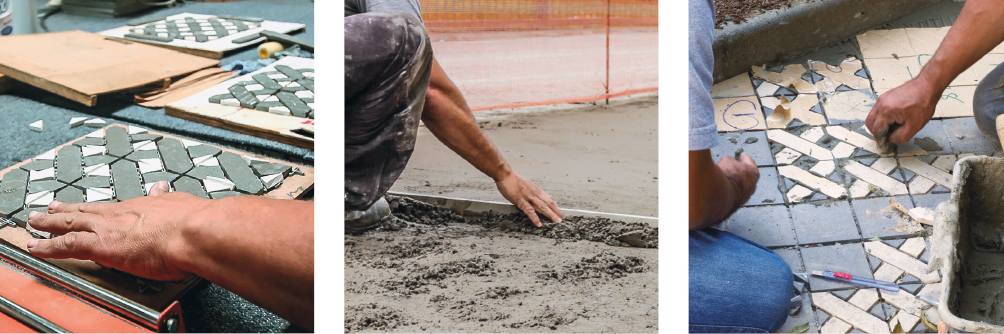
(353, 7)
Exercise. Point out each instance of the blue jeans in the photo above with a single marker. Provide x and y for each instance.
(736, 286)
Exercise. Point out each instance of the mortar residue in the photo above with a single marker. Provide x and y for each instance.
(429, 269)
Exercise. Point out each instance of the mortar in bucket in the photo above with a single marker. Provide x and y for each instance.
(968, 247)
(18, 17)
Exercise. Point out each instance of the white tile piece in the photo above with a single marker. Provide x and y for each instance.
(944, 162)
(99, 194)
(280, 111)
(77, 121)
(798, 144)
(39, 199)
(876, 178)
(913, 246)
(856, 139)
(888, 273)
(859, 189)
(824, 167)
(271, 98)
(90, 150)
(884, 165)
(848, 313)
(96, 134)
(262, 97)
(135, 130)
(41, 175)
(190, 143)
(150, 165)
(921, 185)
(798, 193)
(97, 170)
(214, 184)
(907, 322)
(922, 169)
(737, 86)
(864, 299)
(145, 145)
(790, 76)
(786, 156)
(842, 150)
(900, 260)
(304, 94)
(293, 84)
(277, 76)
(36, 126)
(271, 181)
(96, 123)
(825, 186)
(249, 159)
(253, 87)
(835, 325)
(813, 134)
(230, 102)
(48, 155)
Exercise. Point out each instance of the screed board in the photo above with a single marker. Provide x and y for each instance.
(274, 103)
(119, 162)
(207, 36)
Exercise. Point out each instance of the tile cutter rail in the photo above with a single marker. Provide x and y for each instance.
(42, 297)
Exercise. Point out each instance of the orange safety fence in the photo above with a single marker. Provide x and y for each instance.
(514, 53)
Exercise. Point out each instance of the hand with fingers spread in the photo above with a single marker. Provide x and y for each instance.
(529, 198)
(902, 112)
(259, 248)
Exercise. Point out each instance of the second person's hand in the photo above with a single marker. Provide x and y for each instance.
(903, 111)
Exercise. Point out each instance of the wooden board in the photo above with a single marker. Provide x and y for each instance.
(293, 187)
(80, 65)
(284, 129)
(211, 49)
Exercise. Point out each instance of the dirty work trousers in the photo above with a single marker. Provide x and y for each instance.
(736, 286)
(388, 61)
(988, 102)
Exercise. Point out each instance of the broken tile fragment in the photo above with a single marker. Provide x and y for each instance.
(134, 130)
(206, 161)
(36, 126)
(877, 220)
(900, 260)
(238, 171)
(214, 184)
(95, 123)
(272, 181)
(77, 121)
(145, 136)
(847, 74)
(269, 168)
(189, 185)
(12, 191)
(97, 170)
(88, 151)
(98, 160)
(99, 195)
(224, 194)
(44, 174)
(202, 150)
(145, 145)
(39, 199)
(791, 76)
(201, 172)
(150, 165)
(90, 141)
(126, 180)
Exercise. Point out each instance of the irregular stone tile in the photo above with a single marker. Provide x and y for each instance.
(12, 191)
(768, 188)
(737, 114)
(38, 165)
(270, 168)
(90, 142)
(21, 218)
(753, 143)
(238, 171)
(145, 136)
(928, 174)
(930, 200)
(191, 186)
(847, 106)
(873, 177)
(125, 177)
(782, 113)
(175, 156)
(848, 258)
(824, 222)
(98, 160)
(766, 225)
(965, 137)
(208, 161)
(203, 150)
(790, 76)
(70, 195)
(803, 185)
(224, 194)
(68, 163)
(45, 185)
(118, 143)
(877, 219)
(792, 257)
(142, 155)
(271, 181)
(97, 170)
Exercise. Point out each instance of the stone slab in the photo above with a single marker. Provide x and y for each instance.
(769, 226)
(824, 222)
(876, 221)
(848, 258)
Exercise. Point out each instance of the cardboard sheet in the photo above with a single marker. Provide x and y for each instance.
(80, 65)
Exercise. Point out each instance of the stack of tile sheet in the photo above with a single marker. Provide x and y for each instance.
(103, 7)
(285, 91)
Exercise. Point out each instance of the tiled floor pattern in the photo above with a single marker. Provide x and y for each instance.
(285, 91)
(823, 199)
(119, 163)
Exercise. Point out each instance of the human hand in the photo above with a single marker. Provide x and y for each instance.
(141, 236)
(903, 111)
(529, 198)
(743, 173)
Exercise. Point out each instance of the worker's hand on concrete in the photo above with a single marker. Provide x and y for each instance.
(141, 236)
(743, 174)
(529, 198)
(903, 111)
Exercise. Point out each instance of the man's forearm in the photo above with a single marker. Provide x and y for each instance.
(713, 196)
(979, 28)
(265, 255)
(448, 117)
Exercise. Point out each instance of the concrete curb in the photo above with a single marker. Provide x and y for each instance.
(782, 35)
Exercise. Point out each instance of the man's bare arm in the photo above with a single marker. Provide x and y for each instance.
(448, 117)
(904, 110)
(261, 249)
(718, 190)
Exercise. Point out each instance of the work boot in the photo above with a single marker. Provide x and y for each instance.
(361, 221)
